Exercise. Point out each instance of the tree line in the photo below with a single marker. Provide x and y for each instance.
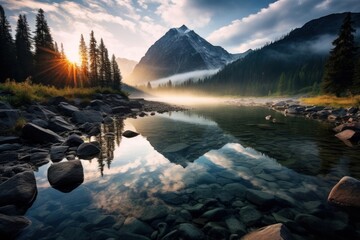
(39, 58)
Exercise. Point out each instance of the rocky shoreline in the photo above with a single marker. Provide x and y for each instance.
(38, 133)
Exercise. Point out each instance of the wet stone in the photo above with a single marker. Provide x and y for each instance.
(215, 214)
(133, 225)
(235, 226)
(260, 198)
(57, 153)
(249, 215)
(190, 232)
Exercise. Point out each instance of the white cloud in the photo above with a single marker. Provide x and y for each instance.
(21, 4)
(274, 21)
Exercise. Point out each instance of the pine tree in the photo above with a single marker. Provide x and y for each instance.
(116, 75)
(108, 79)
(23, 45)
(44, 50)
(102, 63)
(7, 49)
(93, 58)
(84, 69)
(339, 69)
(62, 52)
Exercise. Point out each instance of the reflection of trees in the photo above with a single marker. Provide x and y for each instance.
(110, 133)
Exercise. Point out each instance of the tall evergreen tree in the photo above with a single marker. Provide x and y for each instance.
(7, 49)
(23, 49)
(339, 69)
(116, 75)
(93, 59)
(44, 50)
(108, 79)
(102, 63)
(84, 69)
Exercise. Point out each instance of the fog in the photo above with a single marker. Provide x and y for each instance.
(182, 77)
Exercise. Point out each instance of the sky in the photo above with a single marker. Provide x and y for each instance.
(130, 27)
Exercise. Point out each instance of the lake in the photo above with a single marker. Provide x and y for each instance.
(224, 169)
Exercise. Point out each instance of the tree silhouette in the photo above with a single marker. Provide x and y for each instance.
(23, 45)
(93, 58)
(339, 69)
(84, 69)
(44, 50)
(116, 75)
(7, 49)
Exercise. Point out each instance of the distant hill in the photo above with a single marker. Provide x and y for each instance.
(293, 64)
(180, 50)
(126, 66)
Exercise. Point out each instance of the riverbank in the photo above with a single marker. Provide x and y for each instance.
(36, 133)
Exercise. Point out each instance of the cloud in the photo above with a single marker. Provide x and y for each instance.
(276, 20)
(21, 4)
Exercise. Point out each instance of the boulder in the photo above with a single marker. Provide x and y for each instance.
(129, 134)
(276, 231)
(349, 135)
(40, 122)
(19, 190)
(9, 139)
(59, 124)
(5, 105)
(249, 215)
(346, 193)
(67, 108)
(86, 150)
(99, 105)
(8, 118)
(352, 126)
(10, 226)
(38, 134)
(87, 116)
(133, 225)
(122, 110)
(10, 147)
(57, 153)
(41, 112)
(66, 176)
(260, 198)
(190, 232)
(73, 140)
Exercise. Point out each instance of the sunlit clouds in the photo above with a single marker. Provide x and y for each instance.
(130, 27)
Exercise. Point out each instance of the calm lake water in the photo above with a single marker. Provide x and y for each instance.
(210, 154)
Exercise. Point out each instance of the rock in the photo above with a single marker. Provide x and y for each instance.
(5, 105)
(249, 215)
(129, 134)
(215, 231)
(131, 236)
(87, 116)
(39, 158)
(122, 110)
(108, 120)
(353, 110)
(260, 198)
(8, 157)
(312, 224)
(215, 214)
(190, 232)
(19, 190)
(235, 226)
(73, 140)
(38, 134)
(352, 126)
(99, 105)
(67, 108)
(10, 226)
(276, 231)
(86, 150)
(349, 135)
(41, 112)
(177, 147)
(10, 147)
(66, 176)
(57, 153)
(136, 226)
(268, 117)
(9, 139)
(40, 122)
(346, 193)
(8, 118)
(59, 124)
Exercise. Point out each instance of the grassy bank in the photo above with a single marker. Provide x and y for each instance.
(333, 101)
(18, 94)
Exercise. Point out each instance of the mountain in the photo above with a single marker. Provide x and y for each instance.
(293, 64)
(180, 50)
(126, 66)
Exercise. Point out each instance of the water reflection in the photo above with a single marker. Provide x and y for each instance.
(147, 182)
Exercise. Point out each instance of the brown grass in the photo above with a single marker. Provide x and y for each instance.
(333, 101)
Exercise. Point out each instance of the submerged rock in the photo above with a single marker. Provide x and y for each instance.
(19, 190)
(66, 176)
(346, 193)
(190, 232)
(272, 232)
(10, 226)
(87, 150)
(38, 134)
(129, 134)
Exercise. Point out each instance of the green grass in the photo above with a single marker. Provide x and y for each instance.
(26, 92)
(333, 101)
